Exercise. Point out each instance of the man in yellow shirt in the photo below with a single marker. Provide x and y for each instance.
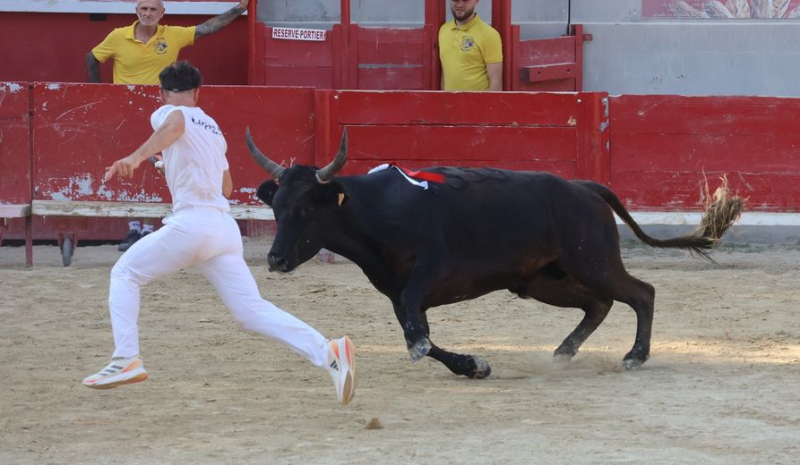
(141, 50)
(471, 51)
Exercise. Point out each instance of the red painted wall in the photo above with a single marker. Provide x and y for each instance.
(79, 129)
(522, 131)
(15, 179)
(655, 151)
(53, 47)
(663, 147)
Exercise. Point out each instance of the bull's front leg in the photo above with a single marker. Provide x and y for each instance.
(416, 335)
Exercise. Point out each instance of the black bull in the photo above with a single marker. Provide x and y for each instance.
(482, 230)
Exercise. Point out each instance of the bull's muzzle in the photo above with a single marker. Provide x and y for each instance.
(277, 263)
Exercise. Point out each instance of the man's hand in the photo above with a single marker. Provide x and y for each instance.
(124, 167)
(158, 163)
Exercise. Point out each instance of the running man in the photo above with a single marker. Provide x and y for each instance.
(200, 232)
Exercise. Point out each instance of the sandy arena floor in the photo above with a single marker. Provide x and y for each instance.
(722, 386)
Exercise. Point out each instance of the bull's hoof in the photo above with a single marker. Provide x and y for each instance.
(481, 370)
(633, 363)
(634, 359)
(420, 349)
(562, 359)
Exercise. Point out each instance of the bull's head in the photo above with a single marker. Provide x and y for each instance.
(304, 201)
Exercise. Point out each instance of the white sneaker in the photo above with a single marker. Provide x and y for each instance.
(120, 371)
(342, 368)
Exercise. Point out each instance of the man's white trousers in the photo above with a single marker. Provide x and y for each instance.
(210, 239)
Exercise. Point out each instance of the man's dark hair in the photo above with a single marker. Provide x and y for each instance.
(180, 76)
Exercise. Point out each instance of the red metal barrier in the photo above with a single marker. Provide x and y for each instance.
(351, 56)
(653, 150)
(547, 64)
(298, 62)
(15, 183)
(560, 133)
(79, 129)
(15, 162)
(664, 145)
(391, 59)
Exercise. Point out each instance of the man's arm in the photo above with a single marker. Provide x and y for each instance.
(227, 184)
(166, 134)
(495, 73)
(93, 67)
(218, 22)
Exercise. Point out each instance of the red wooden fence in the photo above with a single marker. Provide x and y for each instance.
(663, 146)
(654, 151)
(523, 131)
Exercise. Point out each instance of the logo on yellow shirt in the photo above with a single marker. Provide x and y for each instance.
(467, 43)
(160, 46)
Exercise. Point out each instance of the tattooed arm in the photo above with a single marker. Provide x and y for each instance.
(93, 68)
(218, 22)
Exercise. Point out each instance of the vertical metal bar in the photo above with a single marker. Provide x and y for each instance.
(29, 218)
(251, 42)
(435, 14)
(577, 31)
(344, 50)
(501, 20)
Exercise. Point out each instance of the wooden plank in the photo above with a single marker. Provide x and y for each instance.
(456, 108)
(764, 153)
(390, 46)
(461, 143)
(14, 211)
(391, 77)
(15, 161)
(676, 114)
(547, 51)
(540, 73)
(134, 210)
(661, 190)
(563, 168)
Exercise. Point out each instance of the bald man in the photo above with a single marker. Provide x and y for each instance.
(141, 50)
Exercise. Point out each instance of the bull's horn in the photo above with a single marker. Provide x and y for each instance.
(325, 174)
(273, 168)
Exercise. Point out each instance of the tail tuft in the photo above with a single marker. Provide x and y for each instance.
(722, 210)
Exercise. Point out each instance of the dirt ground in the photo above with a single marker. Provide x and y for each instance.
(722, 386)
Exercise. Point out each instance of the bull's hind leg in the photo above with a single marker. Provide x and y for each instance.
(641, 297)
(605, 275)
(554, 287)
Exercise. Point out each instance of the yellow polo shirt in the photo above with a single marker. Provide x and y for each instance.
(465, 51)
(138, 63)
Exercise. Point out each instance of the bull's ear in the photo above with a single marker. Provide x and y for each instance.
(338, 195)
(266, 191)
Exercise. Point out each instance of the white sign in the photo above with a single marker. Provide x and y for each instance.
(286, 33)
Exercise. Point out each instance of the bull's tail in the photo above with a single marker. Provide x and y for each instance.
(717, 219)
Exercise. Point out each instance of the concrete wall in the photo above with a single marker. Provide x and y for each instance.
(627, 55)
(632, 55)
(541, 19)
